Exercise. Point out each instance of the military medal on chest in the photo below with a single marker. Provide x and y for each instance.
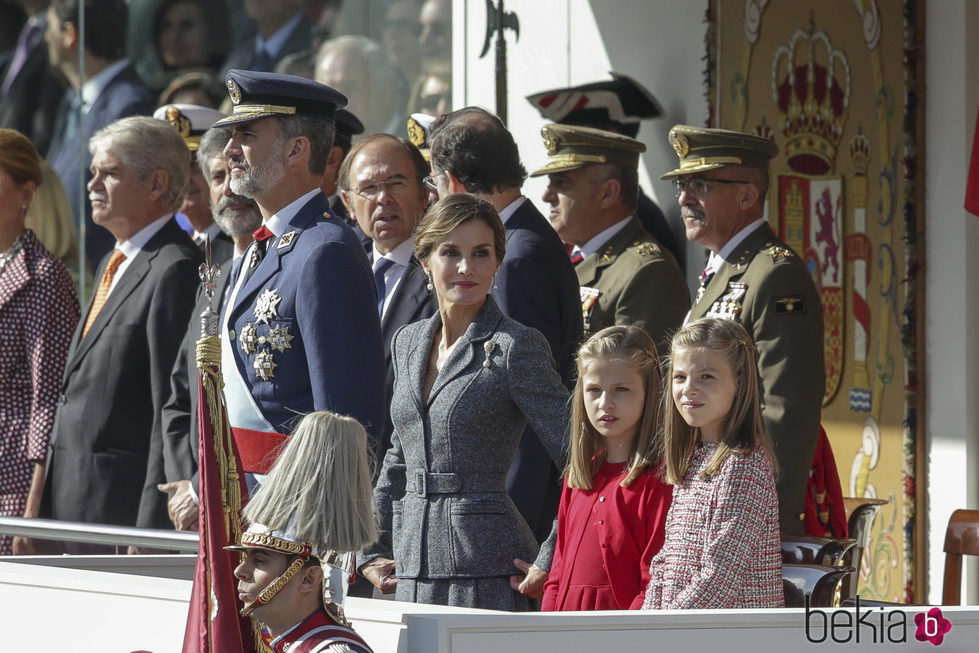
(589, 297)
(729, 306)
(270, 338)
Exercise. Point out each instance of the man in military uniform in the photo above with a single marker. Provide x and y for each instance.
(616, 105)
(754, 277)
(301, 330)
(625, 276)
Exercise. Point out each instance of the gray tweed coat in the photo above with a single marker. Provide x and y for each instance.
(441, 501)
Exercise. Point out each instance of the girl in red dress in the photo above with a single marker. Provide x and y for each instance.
(614, 504)
(722, 535)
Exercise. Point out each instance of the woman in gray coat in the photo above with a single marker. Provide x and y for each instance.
(466, 383)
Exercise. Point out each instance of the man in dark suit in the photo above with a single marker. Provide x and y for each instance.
(381, 182)
(282, 29)
(473, 152)
(238, 217)
(103, 468)
(109, 91)
(301, 330)
(191, 121)
(30, 91)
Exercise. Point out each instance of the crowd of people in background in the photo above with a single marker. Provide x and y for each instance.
(548, 411)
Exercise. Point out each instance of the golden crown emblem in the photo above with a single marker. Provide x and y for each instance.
(811, 89)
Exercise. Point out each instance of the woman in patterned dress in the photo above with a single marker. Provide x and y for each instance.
(38, 313)
(722, 546)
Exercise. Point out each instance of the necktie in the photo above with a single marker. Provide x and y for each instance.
(29, 37)
(263, 61)
(261, 236)
(382, 266)
(102, 292)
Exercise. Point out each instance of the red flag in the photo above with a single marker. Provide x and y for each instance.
(214, 623)
(972, 183)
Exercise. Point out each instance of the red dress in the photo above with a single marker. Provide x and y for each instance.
(606, 538)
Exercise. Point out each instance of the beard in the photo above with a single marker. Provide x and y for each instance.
(237, 221)
(257, 178)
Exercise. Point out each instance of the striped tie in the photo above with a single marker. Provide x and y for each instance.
(102, 292)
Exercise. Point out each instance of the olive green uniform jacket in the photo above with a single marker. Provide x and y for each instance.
(767, 287)
(633, 280)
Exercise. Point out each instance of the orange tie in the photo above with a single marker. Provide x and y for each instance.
(102, 292)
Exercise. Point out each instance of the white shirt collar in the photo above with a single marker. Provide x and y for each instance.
(97, 83)
(400, 254)
(274, 44)
(597, 241)
(277, 222)
(138, 241)
(511, 208)
(213, 230)
(715, 260)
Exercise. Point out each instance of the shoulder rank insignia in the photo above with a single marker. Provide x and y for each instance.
(644, 249)
(729, 306)
(327, 215)
(286, 239)
(777, 252)
(790, 304)
(267, 305)
(589, 297)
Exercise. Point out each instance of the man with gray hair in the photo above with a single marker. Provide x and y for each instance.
(360, 69)
(238, 216)
(103, 467)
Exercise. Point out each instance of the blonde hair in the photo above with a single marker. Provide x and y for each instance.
(632, 345)
(320, 486)
(743, 427)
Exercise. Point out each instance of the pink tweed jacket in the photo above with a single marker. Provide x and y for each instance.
(722, 545)
(38, 314)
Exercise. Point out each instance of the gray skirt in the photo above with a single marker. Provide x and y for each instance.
(488, 593)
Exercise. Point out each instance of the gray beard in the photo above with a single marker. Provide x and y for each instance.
(256, 180)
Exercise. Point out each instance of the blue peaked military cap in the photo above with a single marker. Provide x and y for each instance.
(263, 95)
(347, 123)
(348, 126)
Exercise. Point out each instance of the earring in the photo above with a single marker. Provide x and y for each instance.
(430, 286)
(495, 287)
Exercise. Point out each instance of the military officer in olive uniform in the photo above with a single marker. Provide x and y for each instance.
(754, 277)
(625, 276)
(300, 331)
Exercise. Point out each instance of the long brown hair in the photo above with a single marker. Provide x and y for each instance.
(632, 345)
(743, 427)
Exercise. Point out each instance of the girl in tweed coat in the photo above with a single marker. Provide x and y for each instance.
(722, 533)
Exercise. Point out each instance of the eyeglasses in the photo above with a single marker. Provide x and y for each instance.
(697, 186)
(430, 181)
(372, 189)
